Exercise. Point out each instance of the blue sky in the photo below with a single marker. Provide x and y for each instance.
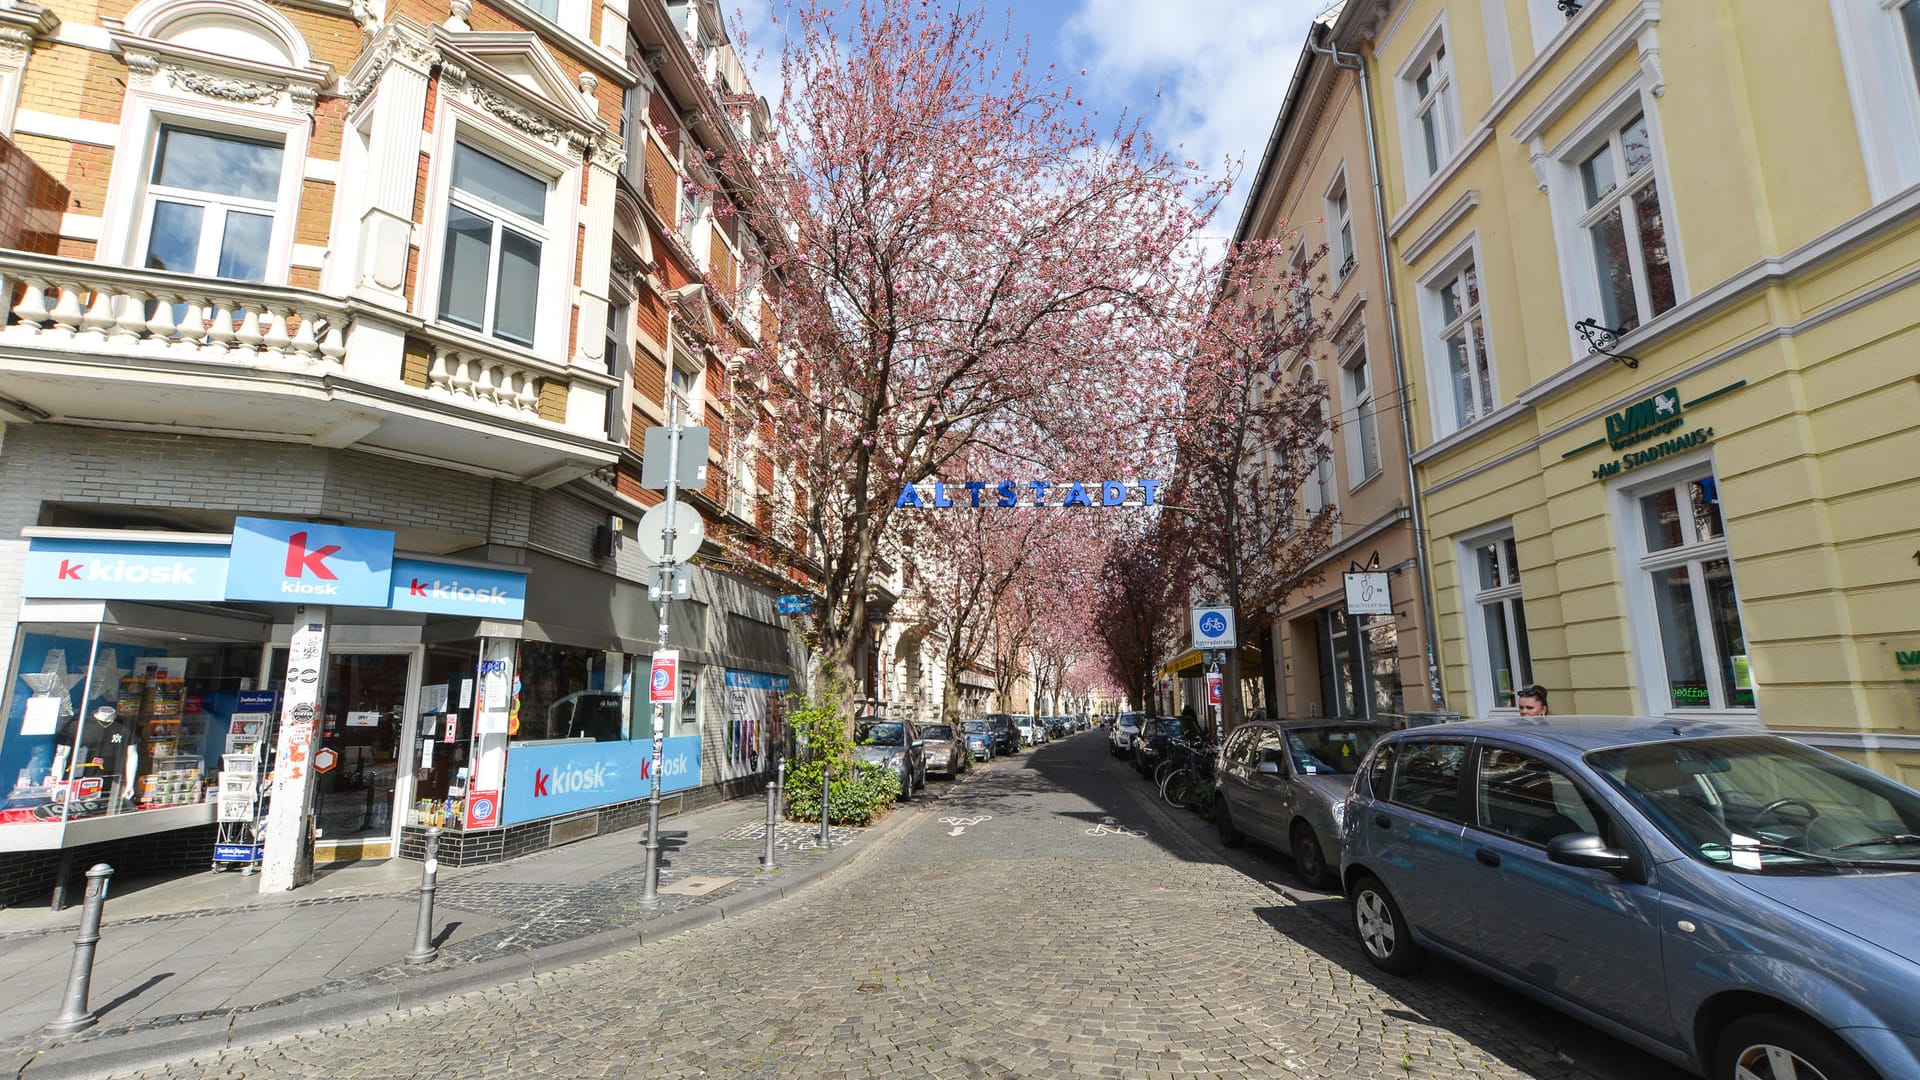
(1208, 75)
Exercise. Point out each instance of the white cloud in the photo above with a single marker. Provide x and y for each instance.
(1220, 69)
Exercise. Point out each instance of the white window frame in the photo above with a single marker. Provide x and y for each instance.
(1439, 328)
(1319, 489)
(214, 207)
(460, 122)
(1546, 21)
(1621, 199)
(1359, 414)
(1884, 91)
(1475, 598)
(1566, 196)
(1340, 241)
(1637, 568)
(127, 208)
(1442, 99)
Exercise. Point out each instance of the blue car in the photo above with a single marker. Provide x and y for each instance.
(1736, 903)
(979, 739)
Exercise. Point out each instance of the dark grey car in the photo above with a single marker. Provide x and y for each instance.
(896, 744)
(1284, 783)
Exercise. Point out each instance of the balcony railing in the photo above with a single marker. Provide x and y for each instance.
(53, 302)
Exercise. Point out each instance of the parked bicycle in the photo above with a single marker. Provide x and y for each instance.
(1186, 777)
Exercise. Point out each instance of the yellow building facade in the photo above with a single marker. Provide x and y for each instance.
(1659, 278)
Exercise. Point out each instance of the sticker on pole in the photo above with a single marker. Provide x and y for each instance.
(325, 759)
(1214, 683)
(663, 685)
(483, 810)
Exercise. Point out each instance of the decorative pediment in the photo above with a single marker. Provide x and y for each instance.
(236, 51)
(511, 74)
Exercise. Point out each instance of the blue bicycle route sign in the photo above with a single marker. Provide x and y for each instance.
(1213, 628)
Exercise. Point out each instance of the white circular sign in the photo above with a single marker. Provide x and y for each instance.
(687, 524)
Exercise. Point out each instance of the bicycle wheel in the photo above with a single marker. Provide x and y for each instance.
(1166, 768)
(1172, 791)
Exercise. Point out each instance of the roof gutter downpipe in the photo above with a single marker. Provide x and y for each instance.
(1418, 518)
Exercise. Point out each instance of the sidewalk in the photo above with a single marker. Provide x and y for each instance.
(198, 962)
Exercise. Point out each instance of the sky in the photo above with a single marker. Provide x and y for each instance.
(1208, 75)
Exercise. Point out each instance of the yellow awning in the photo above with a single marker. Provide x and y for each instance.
(1192, 664)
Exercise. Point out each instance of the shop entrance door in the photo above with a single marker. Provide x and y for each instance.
(357, 786)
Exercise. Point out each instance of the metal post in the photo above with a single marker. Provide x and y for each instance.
(75, 1016)
(766, 857)
(424, 950)
(826, 789)
(650, 886)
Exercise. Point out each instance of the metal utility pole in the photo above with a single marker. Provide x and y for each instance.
(650, 890)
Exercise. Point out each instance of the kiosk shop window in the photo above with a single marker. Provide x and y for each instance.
(106, 720)
(567, 692)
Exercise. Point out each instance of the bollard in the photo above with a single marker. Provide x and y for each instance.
(424, 950)
(773, 795)
(75, 1016)
(826, 789)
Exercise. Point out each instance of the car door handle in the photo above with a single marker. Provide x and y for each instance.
(1487, 858)
(1382, 821)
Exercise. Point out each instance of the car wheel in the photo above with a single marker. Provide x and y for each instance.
(1776, 1046)
(1230, 834)
(1308, 859)
(1383, 931)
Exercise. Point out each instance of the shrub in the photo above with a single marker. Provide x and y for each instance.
(857, 794)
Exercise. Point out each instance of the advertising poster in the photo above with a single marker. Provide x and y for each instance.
(564, 778)
(752, 724)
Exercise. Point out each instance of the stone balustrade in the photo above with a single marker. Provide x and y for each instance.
(69, 303)
(480, 379)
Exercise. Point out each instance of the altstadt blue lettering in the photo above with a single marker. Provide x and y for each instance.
(1112, 493)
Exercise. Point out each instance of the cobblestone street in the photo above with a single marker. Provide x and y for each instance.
(1041, 919)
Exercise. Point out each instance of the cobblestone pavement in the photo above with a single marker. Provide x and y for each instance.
(1044, 919)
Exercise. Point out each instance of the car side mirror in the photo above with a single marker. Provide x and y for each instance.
(1268, 767)
(1588, 850)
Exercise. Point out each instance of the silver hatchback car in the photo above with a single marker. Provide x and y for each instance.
(1285, 783)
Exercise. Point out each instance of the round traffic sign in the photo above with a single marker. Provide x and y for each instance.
(689, 531)
(1213, 624)
(662, 678)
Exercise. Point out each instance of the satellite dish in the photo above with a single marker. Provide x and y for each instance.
(687, 524)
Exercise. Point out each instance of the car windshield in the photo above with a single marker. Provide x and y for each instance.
(1331, 750)
(883, 733)
(1762, 804)
(1130, 720)
(937, 731)
(974, 727)
(1168, 726)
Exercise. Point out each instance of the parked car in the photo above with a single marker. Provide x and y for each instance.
(1059, 727)
(1155, 740)
(979, 739)
(896, 744)
(1125, 727)
(1031, 734)
(1285, 784)
(1737, 903)
(945, 750)
(1006, 737)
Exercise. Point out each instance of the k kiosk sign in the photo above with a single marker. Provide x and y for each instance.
(301, 563)
(282, 561)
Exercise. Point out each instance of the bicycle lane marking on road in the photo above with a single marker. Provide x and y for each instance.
(1108, 827)
(962, 824)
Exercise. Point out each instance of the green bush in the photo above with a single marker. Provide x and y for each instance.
(857, 795)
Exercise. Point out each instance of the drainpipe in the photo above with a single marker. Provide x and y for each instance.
(1353, 62)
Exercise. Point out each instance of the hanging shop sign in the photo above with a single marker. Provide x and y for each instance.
(302, 562)
(1368, 593)
(1649, 430)
(1003, 494)
(272, 560)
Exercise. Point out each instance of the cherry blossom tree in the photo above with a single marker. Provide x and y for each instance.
(1253, 437)
(960, 250)
(1143, 587)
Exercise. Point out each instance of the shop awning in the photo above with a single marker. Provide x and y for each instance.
(1192, 664)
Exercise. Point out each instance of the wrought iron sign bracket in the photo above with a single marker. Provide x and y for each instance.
(1602, 339)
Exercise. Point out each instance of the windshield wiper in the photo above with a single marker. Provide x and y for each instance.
(1877, 841)
(1818, 859)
